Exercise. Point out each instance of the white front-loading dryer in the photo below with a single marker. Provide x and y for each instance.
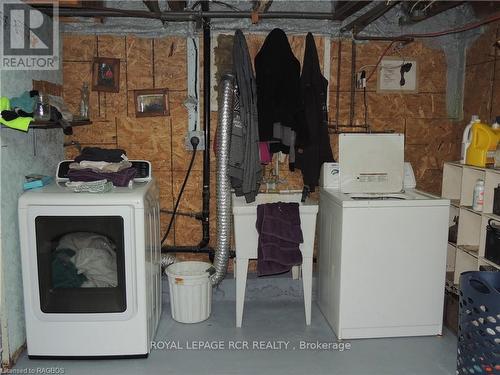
(114, 320)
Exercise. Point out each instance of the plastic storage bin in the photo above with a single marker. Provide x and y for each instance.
(479, 323)
(190, 291)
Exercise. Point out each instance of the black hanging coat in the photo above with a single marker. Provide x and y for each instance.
(277, 73)
(316, 150)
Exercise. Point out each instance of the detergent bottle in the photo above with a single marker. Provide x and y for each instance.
(482, 148)
(466, 138)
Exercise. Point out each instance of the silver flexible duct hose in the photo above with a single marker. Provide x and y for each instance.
(167, 260)
(223, 187)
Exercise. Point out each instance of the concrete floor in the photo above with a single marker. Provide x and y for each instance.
(279, 323)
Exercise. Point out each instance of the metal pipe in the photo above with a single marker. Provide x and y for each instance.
(384, 38)
(353, 82)
(181, 16)
(196, 215)
(186, 249)
(206, 129)
(337, 93)
(224, 214)
(346, 126)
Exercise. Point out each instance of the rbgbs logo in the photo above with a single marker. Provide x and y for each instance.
(30, 38)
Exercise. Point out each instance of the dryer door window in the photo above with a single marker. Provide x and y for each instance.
(81, 264)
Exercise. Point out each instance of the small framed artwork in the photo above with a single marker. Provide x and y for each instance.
(106, 74)
(397, 75)
(149, 103)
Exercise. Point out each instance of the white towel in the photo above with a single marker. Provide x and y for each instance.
(95, 258)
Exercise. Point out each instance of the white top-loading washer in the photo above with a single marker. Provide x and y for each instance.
(382, 254)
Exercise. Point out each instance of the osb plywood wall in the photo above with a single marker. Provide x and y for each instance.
(431, 138)
(482, 77)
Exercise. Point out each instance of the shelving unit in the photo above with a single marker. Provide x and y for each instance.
(458, 186)
(53, 125)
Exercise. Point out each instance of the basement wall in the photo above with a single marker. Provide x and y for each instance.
(432, 137)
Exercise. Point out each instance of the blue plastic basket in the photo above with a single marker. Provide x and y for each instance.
(479, 323)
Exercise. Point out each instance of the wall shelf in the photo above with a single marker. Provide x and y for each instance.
(37, 124)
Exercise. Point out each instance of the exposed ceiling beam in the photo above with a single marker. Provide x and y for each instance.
(365, 19)
(484, 8)
(152, 5)
(176, 5)
(344, 9)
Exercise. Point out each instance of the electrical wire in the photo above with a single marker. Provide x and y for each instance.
(232, 7)
(427, 6)
(366, 66)
(461, 29)
(413, 7)
(366, 106)
(379, 60)
(194, 143)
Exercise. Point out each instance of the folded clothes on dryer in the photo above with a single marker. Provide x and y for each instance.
(101, 154)
(121, 178)
(101, 166)
(99, 186)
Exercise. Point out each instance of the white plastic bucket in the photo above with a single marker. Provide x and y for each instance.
(190, 291)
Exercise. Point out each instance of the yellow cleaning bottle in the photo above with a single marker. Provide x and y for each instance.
(483, 145)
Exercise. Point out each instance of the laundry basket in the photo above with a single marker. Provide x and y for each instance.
(190, 291)
(479, 323)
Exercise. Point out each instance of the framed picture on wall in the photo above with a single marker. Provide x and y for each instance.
(153, 102)
(106, 74)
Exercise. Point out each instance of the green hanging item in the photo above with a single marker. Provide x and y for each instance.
(20, 123)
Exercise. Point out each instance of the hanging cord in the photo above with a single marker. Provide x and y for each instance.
(366, 106)
(194, 142)
(461, 29)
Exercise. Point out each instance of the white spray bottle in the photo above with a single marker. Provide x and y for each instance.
(466, 138)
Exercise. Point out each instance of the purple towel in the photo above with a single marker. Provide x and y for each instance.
(278, 225)
(120, 178)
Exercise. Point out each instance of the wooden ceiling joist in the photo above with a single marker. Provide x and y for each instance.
(366, 18)
(345, 9)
